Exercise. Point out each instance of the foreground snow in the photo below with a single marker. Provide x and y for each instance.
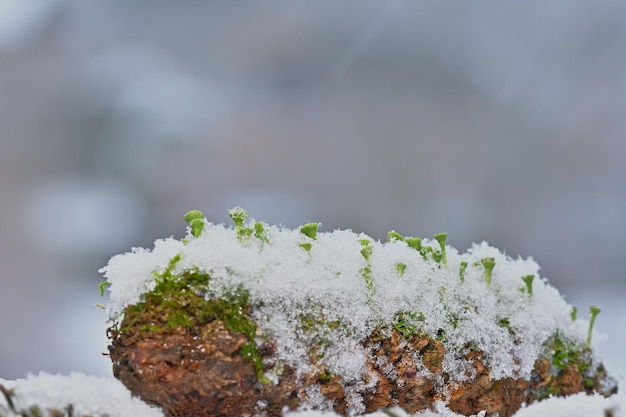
(100, 397)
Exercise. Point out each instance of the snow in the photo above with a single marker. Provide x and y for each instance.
(88, 395)
(355, 280)
(287, 281)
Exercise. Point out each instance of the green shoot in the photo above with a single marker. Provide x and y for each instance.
(366, 252)
(488, 264)
(194, 220)
(462, 271)
(310, 230)
(414, 243)
(574, 313)
(197, 226)
(441, 238)
(193, 214)
(102, 287)
(400, 267)
(393, 235)
(528, 280)
(259, 232)
(238, 215)
(594, 311)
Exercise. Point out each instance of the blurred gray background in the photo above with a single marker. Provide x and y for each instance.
(490, 120)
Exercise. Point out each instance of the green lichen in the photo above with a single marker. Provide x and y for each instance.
(400, 268)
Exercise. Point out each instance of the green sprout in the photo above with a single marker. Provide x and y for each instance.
(414, 243)
(193, 214)
(528, 280)
(573, 313)
(259, 232)
(194, 220)
(238, 215)
(488, 264)
(400, 267)
(462, 271)
(102, 287)
(441, 238)
(310, 230)
(594, 311)
(366, 271)
(393, 235)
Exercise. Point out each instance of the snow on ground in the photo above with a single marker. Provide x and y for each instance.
(88, 395)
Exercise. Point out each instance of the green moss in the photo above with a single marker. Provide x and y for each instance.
(179, 300)
(407, 323)
(563, 353)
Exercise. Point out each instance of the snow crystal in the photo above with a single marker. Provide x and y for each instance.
(362, 284)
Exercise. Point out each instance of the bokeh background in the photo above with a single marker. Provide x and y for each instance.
(497, 121)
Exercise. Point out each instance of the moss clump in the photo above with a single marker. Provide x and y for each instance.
(182, 301)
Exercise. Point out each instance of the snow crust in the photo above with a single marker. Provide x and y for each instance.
(335, 281)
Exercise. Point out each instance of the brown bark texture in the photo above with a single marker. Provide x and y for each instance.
(202, 372)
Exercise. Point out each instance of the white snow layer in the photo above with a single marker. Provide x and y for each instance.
(88, 395)
(364, 284)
